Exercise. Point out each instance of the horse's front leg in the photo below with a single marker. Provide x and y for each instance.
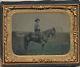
(43, 43)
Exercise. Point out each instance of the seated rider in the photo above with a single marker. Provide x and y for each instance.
(37, 28)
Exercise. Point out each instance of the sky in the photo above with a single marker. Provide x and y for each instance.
(25, 22)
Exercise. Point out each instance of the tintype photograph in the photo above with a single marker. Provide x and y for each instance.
(39, 33)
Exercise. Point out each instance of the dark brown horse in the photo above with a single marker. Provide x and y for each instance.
(42, 38)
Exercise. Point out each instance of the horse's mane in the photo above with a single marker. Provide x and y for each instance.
(53, 28)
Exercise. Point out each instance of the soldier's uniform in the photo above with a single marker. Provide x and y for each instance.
(37, 28)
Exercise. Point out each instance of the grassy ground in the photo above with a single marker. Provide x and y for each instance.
(55, 46)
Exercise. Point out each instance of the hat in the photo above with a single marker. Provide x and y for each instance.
(37, 19)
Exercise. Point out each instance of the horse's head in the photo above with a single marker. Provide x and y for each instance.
(53, 28)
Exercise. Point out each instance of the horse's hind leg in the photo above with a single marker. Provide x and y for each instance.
(43, 44)
(26, 45)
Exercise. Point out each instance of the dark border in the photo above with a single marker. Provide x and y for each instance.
(41, 2)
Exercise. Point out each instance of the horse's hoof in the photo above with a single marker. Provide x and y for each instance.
(25, 48)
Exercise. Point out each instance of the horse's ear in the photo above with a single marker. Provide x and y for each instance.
(53, 28)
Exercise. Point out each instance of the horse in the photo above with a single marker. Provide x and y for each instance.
(50, 32)
(42, 38)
